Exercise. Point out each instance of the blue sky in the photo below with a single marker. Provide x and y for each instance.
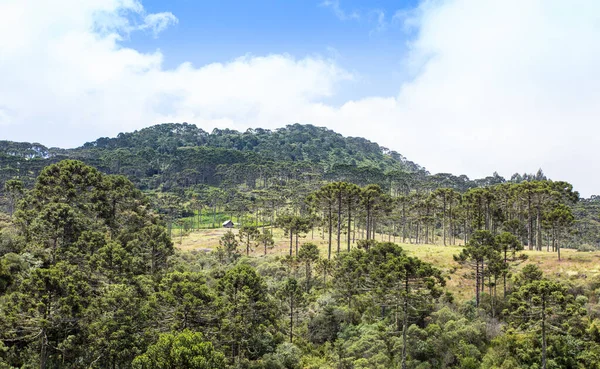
(471, 87)
(365, 39)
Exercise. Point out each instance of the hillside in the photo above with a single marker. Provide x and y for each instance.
(166, 154)
(355, 277)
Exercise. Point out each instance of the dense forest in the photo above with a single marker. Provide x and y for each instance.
(91, 277)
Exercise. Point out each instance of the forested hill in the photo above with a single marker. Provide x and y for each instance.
(182, 152)
(284, 165)
(294, 143)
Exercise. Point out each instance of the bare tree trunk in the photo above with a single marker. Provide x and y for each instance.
(482, 275)
(477, 283)
(291, 319)
(444, 220)
(539, 229)
(43, 349)
(544, 332)
(349, 224)
(403, 222)
(330, 231)
(405, 325)
(339, 221)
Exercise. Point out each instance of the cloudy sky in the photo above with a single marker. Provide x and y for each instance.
(461, 86)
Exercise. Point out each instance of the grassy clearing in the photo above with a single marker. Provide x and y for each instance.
(208, 220)
(573, 266)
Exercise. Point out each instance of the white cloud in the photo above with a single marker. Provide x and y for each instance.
(508, 86)
(340, 13)
(158, 22)
(67, 71)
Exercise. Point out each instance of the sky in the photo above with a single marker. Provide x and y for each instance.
(459, 86)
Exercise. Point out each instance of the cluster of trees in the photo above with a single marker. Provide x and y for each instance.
(89, 278)
(186, 169)
(537, 214)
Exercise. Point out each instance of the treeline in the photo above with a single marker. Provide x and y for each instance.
(186, 170)
(89, 279)
(540, 214)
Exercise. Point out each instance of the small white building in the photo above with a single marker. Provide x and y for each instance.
(228, 224)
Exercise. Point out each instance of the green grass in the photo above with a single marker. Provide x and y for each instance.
(574, 266)
(205, 221)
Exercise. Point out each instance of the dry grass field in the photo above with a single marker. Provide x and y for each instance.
(573, 266)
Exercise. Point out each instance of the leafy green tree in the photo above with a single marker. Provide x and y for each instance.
(372, 199)
(448, 340)
(366, 244)
(113, 262)
(293, 225)
(324, 200)
(215, 197)
(228, 247)
(91, 243)
(14, 190)
(248, 312)
(152, 247)
(481, 247)
(351, 198)
(325, 267)
(349, 274)
(507, 242)
(292, 296)
(559, 218)
(45, 311)
(309, 255)
(402, 282)
(185, 301)
(117, 325)
(185, 350)
(266, 239)
(248, 235)
(286, 355)
(542, 304)
(447, 197)
(55, 228)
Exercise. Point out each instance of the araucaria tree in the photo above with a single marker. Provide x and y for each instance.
(308, 255)
(248, 235)
(401, 283)
(545, 305)
(481, 249)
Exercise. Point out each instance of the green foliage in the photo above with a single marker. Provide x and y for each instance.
(14, 190)
(185, 301)
(186, 350)
(172, 155)
(448, 341)
(546, 305)
(228, 248)
(89, 277)
(293, 297)
(248, 235)
(249, 314)
(266, 239)
(309, 255)
(293, 225)
(75, 292)
(286, 356)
